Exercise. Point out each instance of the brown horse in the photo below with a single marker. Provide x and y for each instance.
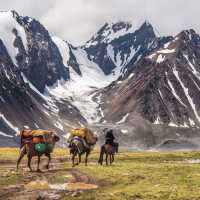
(27, 147)
(78, 148)
(109, 150)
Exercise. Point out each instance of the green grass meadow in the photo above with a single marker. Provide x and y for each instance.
(133, 176)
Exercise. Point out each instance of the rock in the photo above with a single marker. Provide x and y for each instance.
(37, 185)
(58, 186)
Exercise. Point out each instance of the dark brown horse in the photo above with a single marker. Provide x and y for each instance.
(110, 151)
(29, 149)
(78, 148)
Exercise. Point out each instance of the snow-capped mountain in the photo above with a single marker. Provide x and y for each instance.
(125, 75)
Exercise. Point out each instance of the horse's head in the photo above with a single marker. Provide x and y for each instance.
(24, 133)
(52, 137)
(92, 137)
(56, 137)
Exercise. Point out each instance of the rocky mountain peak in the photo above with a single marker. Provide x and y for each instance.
(110, 31)
(14, 13)
(187, 34)
(146, 30)
(115, 27)
(146, 25)
(189, 37)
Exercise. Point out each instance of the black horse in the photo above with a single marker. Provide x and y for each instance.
(110, 151)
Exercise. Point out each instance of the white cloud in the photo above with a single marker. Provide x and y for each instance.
(77, 20)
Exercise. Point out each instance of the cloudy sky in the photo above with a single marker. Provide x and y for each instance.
(77, 20)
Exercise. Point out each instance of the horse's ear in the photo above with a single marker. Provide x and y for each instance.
(57, 138)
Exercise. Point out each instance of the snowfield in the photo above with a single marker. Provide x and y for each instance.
(80, 90)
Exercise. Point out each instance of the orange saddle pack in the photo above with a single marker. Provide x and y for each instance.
(36, 140)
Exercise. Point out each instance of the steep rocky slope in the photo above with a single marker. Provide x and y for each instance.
(163, 87)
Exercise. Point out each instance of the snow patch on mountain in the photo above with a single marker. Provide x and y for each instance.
(160, 55)
(119, 59)
(196, 73)
(8, 24)
(192, 123)
(166, 51)
(5, 135)
(81, 99)
(9, 123)
(172, 124)
(174, 92)
(63, 48)
(187, 94)
(59, 126)
(124, 118)
(160, 58)
(157, 121)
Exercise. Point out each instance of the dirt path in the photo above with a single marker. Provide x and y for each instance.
(52, 184)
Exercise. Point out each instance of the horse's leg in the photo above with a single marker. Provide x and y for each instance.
(86, 157)
(77, 155)
(101, 158)
(113, 159)
(22, 154)
(110, 159)
(38, 164)
(29, 162)
(79, 158)
(49, 160)
(106, 159)
(73, 158)
(100, 161)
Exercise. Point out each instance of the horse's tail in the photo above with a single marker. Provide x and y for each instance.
(100, 161)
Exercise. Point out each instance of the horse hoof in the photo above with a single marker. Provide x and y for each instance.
(39, 171)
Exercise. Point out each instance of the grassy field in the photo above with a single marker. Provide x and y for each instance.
(134, 175)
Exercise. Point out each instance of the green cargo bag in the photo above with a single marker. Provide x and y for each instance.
(40, 147)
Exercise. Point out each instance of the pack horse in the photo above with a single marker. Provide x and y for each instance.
(37, 143)
(81, 141)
